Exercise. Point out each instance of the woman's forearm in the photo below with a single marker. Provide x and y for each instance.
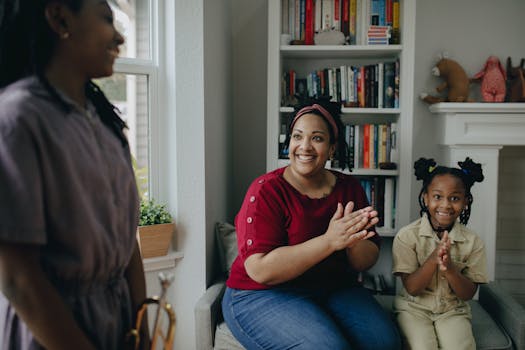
(362, 255)
(36, 300)
(286, 263)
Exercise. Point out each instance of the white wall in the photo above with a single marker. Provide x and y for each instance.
(250, 54)
(196, 149)
(218, 120)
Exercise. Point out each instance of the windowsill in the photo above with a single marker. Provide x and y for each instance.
(162, 262)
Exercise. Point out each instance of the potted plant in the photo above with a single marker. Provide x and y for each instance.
(155, 229)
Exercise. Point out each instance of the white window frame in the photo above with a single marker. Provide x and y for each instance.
(150, 68)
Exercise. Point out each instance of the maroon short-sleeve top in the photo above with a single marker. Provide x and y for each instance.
(275, 214)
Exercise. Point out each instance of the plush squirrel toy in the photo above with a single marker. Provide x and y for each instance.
(456, 81)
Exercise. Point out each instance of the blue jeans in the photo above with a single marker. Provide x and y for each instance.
(286, 318)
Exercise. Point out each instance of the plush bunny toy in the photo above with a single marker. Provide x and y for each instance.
(493, 80)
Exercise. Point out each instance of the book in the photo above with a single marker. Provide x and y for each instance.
(361, 86)
(336, 19)
(383, 142)
(396, 83)
(388, 84)
(366, 146)
(388, 12)
(374, 147)
(291, 18)
(344, 83)
(309, 22)
(302, 19)
(394, 149)
(327, 13)
(352, 22)
(285, 28)
(388, 203)
(301, 88)
(357, 141)
(382, 12)
(379, 183)
(351, 145)
(297, 23)
(395, 39)
(374, 12)
(345, 19)
(318, 20)
(380, 84)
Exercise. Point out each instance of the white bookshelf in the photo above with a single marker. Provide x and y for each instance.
(308, 57)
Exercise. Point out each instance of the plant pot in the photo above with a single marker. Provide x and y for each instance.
(155, 240)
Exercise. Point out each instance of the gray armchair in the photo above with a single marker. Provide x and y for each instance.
(498, 321)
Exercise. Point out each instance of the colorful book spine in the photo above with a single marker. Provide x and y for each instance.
(318, 21)
(291, 18)
(345, 19)
(395, 23)
(302, 26)
(366, 146)
(309, 22)
(327, 13)
(352, 22)
(284, 17)
(336, 23)
(388, 203)
(396, 84)
(388, 84)
(380, 85)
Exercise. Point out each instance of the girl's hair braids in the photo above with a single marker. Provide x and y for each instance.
(334, 109)
(468, 172)
(26, 46)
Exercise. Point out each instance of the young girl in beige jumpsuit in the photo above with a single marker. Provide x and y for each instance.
(440, 261)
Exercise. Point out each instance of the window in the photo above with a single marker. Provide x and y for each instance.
(133, 85)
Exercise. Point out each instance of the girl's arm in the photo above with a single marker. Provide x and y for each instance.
(137, 287)
(288, 262)
(418, 280)
(462, 286)
(36, 300)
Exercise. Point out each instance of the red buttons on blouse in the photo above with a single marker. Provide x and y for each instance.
(249, 220)
(261, 181)
(249, 242)
(252, 199)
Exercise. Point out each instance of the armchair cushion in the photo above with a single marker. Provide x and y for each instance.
(227, 242)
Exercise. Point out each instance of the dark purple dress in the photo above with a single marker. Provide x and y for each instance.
(67, 185)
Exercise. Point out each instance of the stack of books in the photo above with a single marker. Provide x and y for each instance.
(378, 35)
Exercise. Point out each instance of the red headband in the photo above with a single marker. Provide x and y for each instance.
(324, 112)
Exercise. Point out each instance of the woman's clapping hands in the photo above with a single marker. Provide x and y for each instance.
(347, 227)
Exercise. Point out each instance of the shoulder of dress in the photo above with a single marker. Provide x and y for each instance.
(23, 97)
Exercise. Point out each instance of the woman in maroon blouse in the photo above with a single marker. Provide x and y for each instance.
(304, 233)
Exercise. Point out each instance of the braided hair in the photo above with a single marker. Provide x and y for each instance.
(468, 172)
(27, 44)
(335, 111)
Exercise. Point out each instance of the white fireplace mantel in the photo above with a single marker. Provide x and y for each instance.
(479, 131)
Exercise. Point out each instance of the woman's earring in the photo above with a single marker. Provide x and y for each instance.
(64, 35)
